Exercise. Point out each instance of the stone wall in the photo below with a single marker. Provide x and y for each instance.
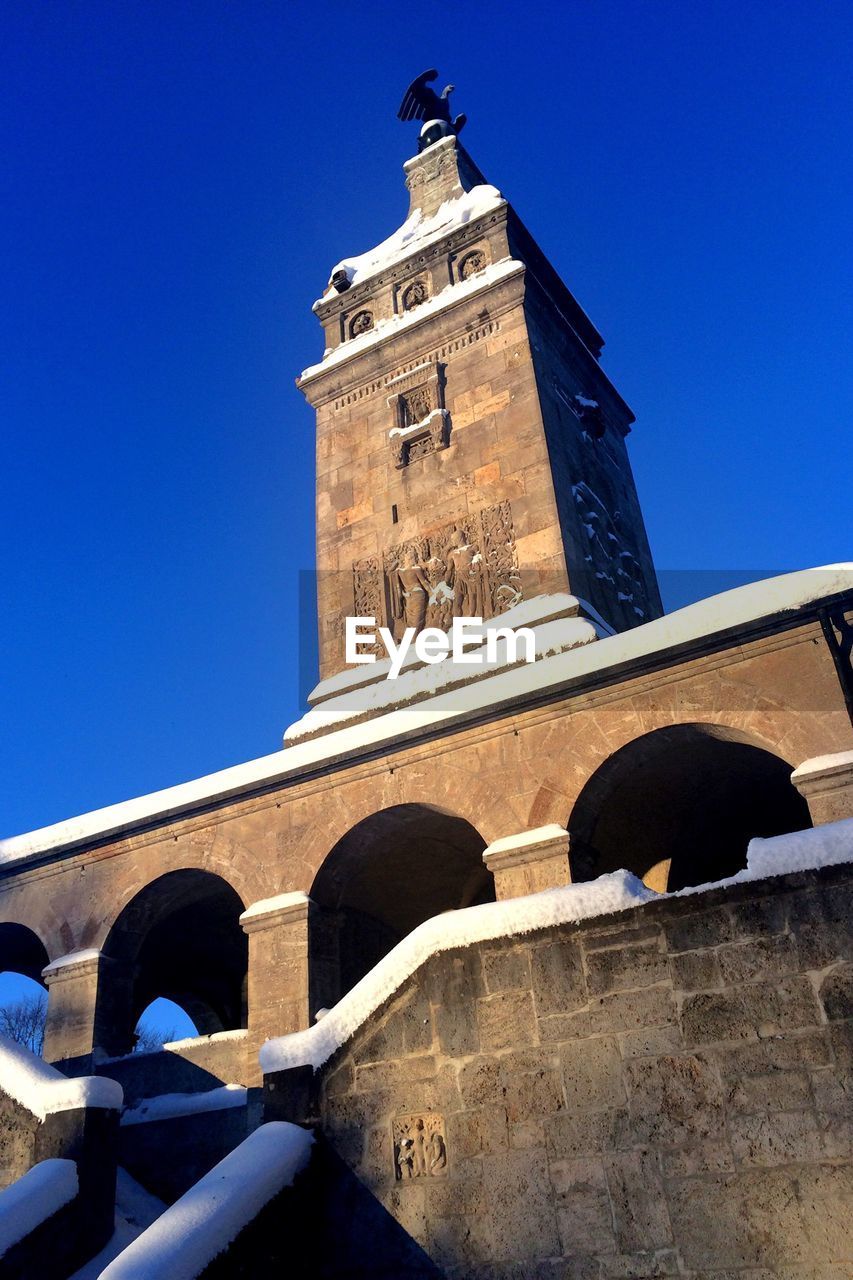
(666, 1091)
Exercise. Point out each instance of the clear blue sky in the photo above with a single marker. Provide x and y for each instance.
(178, 178)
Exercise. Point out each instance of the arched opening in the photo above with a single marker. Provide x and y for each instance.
(179, 938)
(161, 1022)
(679, 806)
(387, 875)
(23, 994)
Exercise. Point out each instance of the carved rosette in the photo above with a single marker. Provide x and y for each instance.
(414, 294)
(361, 322)
(471, 263)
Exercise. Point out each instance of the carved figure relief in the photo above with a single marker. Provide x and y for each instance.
(457, 571)
(472, 263)
(360, 323)
(414, 294)
(417, 405)
(420, 1147)
(421, 424)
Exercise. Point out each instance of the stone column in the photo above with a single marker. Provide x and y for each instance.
(278, 930)
(826, 784)
(80, 1006)
(529, 861)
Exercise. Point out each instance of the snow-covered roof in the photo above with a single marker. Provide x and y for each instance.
(36, 1196)
(43, 1090)
(416, 233)
(617, 891)
(209, 1217)
(691, 625)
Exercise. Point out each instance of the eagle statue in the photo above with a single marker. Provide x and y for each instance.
(420, 102)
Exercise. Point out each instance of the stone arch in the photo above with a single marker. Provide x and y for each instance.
(679, 805)
(22, 951)
(383, 877)
(178, 937)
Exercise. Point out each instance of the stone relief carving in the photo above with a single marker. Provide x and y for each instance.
(360, 323)
(417, 405)
(414, 294)
(421, 422)
(420, 1146)
(462, 570)
(472, 263)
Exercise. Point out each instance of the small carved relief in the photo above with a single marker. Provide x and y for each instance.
(417, 405)
(420, 1147)
(367, 591)
(472, 263)
(414, 294)
(360, 323)
(419, 448)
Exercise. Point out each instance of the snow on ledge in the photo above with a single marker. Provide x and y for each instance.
(281, 902)
(404, 320)
(36, 1196)
(210, 1216)
(692, 624)
(824, 766)
(515, 916)
(168, 1106)
(548, 834)
(73, 958)
(43, 1090)
(809, 850)
(188, 1042)
(416, 233)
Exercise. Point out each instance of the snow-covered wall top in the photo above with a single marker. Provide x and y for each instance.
(618, 891)
(43, 1090)
(36, 1196)
(693, 624)
(416, 233)
(210, 1216)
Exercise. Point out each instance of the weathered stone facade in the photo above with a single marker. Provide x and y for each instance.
(522, 416)
(663, 1092)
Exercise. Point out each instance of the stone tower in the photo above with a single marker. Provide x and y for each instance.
(460, 402)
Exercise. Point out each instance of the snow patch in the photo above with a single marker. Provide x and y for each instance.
(281, 902)
(136, 1209)
(73, 957)
(167, 1106)
(43, 1090)
(210, 1216)
(416, 233)
(36, 1196)
(512, 918)
(838, 762)
(396, 324)
(525, 839)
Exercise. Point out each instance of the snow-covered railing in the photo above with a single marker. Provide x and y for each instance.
(800, 851)
(43, 1090)
(168, 1106)
(35, 1197)
(210, 1216)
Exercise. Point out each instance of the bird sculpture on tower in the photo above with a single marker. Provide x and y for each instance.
(420, 102)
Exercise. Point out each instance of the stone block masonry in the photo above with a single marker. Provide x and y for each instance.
(662, 1092)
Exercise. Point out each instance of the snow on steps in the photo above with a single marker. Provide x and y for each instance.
(210, 1216)
(43, 1090)
(779, 855)
(36, 1196)
(135, 1210)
